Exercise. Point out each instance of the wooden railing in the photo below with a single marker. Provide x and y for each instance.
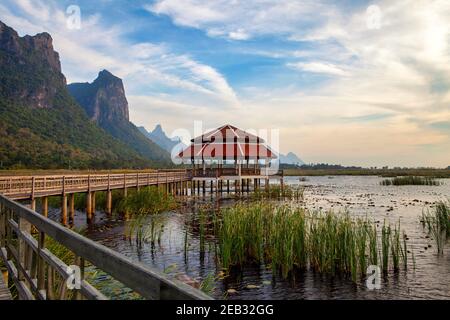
(39, 274)
(25, 187)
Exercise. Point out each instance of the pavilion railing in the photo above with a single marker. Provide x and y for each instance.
(220, 172)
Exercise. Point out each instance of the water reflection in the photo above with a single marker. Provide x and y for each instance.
(187, 250)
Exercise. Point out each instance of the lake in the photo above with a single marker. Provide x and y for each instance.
(359, 195)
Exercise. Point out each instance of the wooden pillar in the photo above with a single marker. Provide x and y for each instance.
(125, 191)
(72, 207)
(204, 187)
(33, 199)
(44, 205)
(228, 186)
(212, 187)
(93, 203)
(109, 202)
(33, 204)
(248, 185)
(64, 210)
(89, 206)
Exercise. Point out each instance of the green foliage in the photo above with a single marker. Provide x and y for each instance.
(288, 192)
(411, 180)
(437, 223)
(290, 239)
(149, 200)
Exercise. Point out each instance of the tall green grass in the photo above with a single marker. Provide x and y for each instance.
(291, 239)
(411, 180)
(149, 200)
(437, 222)
(277, 192)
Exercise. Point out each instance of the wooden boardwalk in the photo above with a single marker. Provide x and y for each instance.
(30, 187)
(39, 274)
(4, 291)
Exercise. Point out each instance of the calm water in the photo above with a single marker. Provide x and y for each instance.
(358, 195)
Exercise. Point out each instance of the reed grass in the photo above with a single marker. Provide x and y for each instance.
(287, 192)
(411, 180)
(149, 200)
(142, 231)
(292, 239)
(437, 223)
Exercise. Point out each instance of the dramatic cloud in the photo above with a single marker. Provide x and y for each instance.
(97, 46)
(346, 82)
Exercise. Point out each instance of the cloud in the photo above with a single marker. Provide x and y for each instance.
(339, 90)
(318, 67)
(242, 20)
(100, 46)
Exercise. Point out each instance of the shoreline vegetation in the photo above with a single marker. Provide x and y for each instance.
(289, 239)
(411, 181)
(437, 223)
(435, 173)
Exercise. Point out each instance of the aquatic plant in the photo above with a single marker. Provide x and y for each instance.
(143, 231)
(208, 284)
(411, 180)
(291, 238)
(437, 223)
(287, 192)
(149, 200)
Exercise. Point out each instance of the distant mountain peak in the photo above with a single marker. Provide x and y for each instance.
(104, 99)
(291, 158)
(105, 75)
(158, 130)
(105, 102)
(160, 138)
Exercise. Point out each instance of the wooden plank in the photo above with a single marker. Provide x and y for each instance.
(4, 291)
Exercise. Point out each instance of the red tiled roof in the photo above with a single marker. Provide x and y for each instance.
(227, 133)
(228, 143)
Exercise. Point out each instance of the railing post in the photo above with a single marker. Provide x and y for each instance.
(124, 185)
(41, 265)
(2, 226)
(25, 227)
(33, 200)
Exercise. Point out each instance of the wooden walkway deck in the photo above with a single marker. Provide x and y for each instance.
(30, 187)
(4, 291)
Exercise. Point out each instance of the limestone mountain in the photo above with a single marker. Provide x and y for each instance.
(41, 125)
(105, 102)
(160, 138)
(291, 158)
(31, 62)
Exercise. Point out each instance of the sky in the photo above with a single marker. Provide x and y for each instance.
(348, 82)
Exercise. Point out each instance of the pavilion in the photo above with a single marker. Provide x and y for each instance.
(230, 154)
